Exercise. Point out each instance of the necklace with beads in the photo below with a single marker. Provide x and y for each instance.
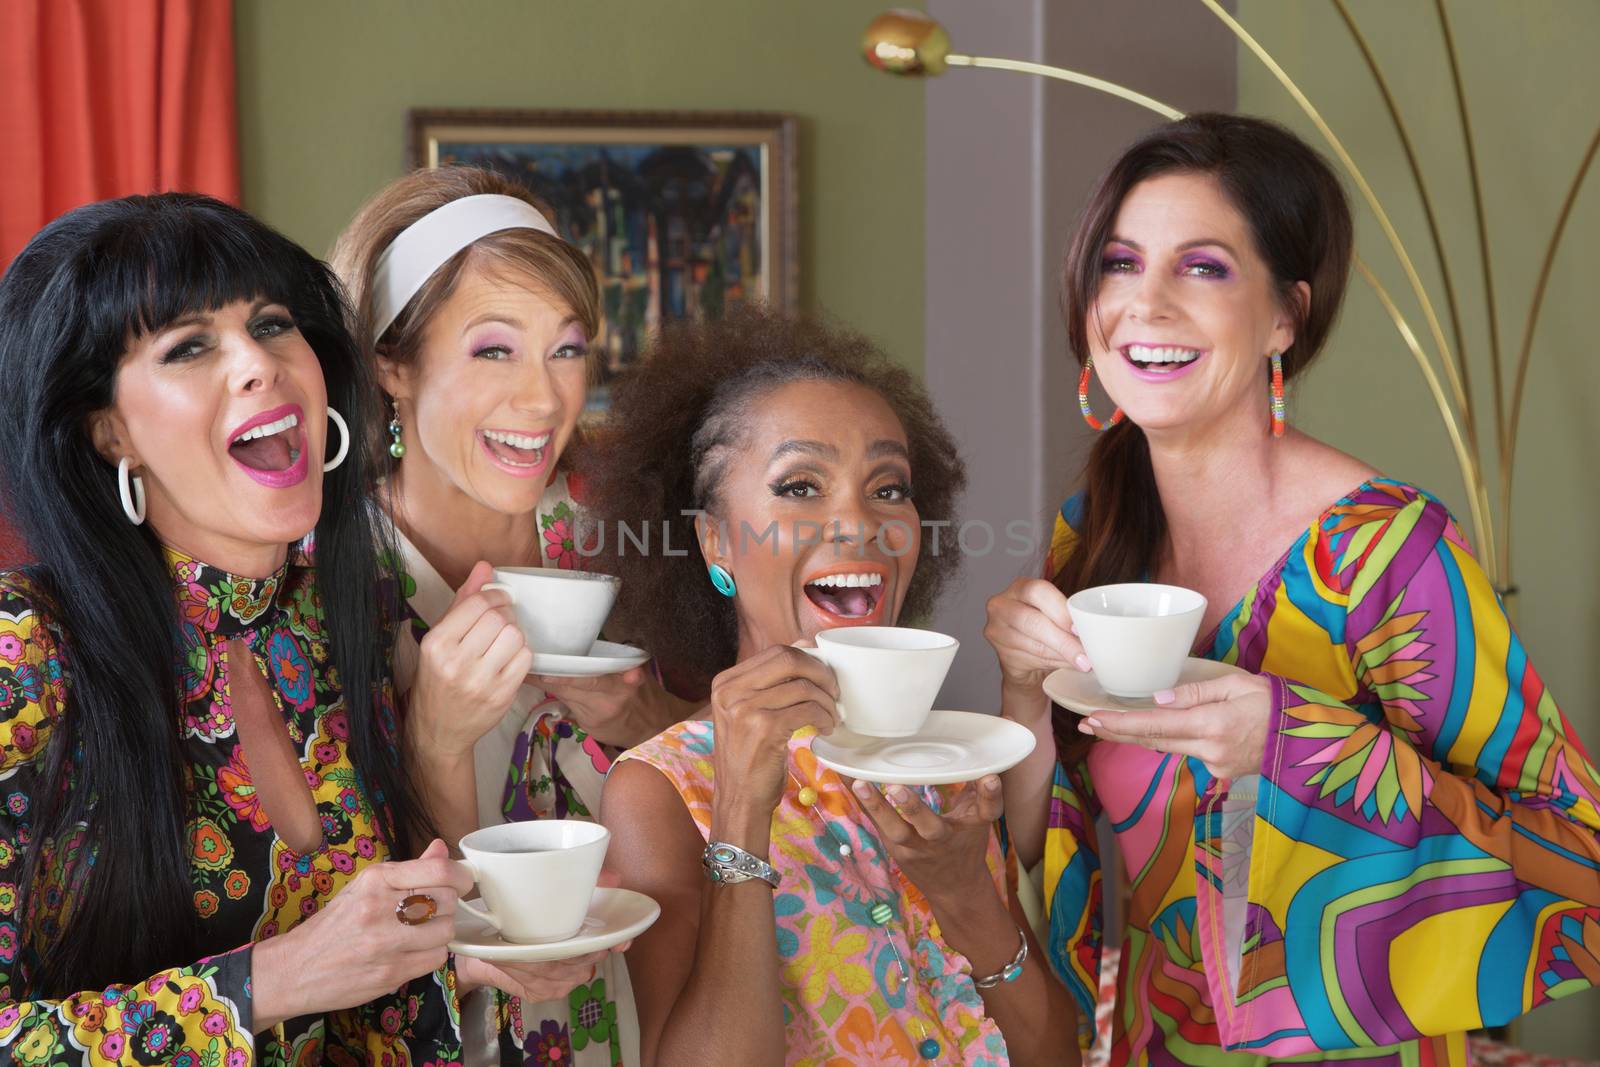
(882, 912)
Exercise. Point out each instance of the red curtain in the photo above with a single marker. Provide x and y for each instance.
(103, 98)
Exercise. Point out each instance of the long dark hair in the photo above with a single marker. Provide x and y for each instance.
(677, 420)
(69, 304)
(1300, 223)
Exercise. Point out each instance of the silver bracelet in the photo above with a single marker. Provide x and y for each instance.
(1010, 971)
(726, 864)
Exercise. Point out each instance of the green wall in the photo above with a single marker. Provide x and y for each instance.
(1531, 85)
(324, 86)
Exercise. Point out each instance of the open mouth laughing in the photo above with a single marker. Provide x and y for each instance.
(852, 595)
(520, 454)
(1161, 361)
(271, 447)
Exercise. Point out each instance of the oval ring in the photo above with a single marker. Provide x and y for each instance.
(416, 909)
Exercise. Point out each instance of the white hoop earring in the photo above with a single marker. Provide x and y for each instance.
(344, 441)
(132, 500)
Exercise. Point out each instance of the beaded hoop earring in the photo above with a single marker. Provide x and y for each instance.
(1276, 397)
(1083, 400)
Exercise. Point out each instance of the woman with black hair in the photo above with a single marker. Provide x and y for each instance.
(198, 755)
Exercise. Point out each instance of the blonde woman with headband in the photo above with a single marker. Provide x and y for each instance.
(479, 319)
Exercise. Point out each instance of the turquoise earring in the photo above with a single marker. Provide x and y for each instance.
(722, 579)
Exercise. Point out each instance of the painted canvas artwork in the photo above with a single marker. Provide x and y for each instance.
(678, 224)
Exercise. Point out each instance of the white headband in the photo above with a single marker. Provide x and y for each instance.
(427, 244)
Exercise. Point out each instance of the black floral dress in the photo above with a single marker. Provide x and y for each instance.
(248, 884)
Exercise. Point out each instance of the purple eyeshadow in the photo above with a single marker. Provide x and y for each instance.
(1220, 269)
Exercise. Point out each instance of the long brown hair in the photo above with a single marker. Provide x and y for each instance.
(1300, 223)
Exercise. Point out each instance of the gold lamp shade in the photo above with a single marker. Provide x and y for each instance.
(906, 42)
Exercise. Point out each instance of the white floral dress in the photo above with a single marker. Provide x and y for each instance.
(535, 764)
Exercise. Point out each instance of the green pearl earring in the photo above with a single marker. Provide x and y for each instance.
(397, 447)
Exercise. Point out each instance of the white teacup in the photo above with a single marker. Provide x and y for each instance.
(536, 877)
(1137, 634)
(888, 676)
(559, 612)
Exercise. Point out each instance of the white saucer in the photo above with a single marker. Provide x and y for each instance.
(954, 746)
(1079, 691)
(615, 915)
(605, 657)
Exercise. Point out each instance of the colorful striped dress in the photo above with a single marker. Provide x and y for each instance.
(1419, 856)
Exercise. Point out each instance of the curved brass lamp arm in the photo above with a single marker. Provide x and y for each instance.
(1477, 493)
(912, 44)
(1487, 261)
(1515, 413)
(1468, 417)
(955, 59)
(1422, 361)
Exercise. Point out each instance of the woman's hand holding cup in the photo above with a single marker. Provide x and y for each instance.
(621, 710)
(1032, 635)
(294, 974)
(756, 706)
(472, 663)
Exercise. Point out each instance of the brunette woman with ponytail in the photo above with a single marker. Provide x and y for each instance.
(1382, 759)
(203, 816)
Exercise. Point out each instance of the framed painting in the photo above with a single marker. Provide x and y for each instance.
(683, 214)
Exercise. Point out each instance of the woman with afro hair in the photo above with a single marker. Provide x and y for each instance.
(772, 452)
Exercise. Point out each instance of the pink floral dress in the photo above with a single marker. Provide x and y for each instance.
(845, 1002)
(536, 764)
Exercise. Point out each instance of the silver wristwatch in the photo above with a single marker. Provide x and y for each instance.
(726, 864)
